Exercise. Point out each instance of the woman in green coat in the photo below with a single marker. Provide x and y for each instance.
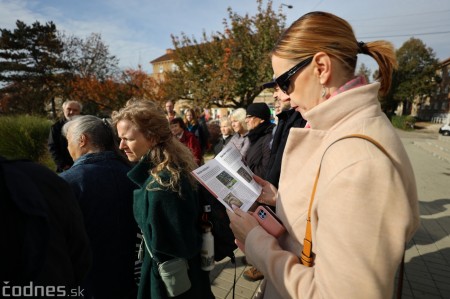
(165, 207)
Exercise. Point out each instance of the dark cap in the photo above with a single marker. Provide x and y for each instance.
(260, 110)
(270, 84)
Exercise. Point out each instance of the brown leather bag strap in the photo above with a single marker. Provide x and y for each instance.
(306, 257)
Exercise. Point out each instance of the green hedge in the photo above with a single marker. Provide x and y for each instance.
(404, 122)
(25, 137)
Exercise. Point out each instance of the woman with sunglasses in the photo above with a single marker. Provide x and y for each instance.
(365, 205)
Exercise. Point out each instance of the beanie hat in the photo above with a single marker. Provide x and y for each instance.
(260, 110)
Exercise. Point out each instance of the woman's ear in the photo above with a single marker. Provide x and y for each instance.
(323, 67)
(83, 140)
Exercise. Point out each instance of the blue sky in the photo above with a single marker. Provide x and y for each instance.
(138, 31)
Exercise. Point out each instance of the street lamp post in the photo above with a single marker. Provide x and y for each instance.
(287, 5)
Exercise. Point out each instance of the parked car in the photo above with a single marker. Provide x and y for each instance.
(445, 129)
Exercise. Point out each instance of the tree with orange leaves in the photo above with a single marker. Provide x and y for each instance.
(112, 93)
(226, 69)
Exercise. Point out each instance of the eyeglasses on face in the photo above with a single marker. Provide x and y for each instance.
(283, 81)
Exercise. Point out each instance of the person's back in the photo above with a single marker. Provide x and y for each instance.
(44, 242)
(105, 195)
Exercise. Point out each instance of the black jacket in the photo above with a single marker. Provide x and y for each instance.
(57, 146)
(286, 120)
(220, 144)
(43, 234)
(258, 153)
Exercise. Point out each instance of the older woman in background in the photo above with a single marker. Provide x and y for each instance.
(166, 206)
(99, 179)
(239, 125)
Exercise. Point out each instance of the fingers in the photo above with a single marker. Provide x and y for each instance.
(230, 214)
(235, 213)
(259, 180)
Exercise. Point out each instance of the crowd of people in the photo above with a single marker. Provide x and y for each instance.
(130, 176)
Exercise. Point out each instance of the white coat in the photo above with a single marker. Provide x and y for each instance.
(365, 208)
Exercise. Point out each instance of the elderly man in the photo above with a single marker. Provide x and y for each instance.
(57, 143)
(170, 112)
(259, 134)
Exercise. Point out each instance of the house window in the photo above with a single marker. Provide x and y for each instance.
(161, 69)
(174, 67)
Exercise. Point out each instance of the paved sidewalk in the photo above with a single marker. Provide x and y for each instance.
(223, 275)
(427, 257)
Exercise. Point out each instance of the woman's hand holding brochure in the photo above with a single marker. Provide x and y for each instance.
(268, 194)
(242, 223)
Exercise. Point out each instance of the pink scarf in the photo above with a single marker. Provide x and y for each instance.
(355, 82)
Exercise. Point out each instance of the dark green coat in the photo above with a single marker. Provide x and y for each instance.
(170, 224)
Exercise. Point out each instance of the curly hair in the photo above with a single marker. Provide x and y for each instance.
(168, 154)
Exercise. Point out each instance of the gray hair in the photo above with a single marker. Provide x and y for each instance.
(239, 115)
(64, 105)
(99, 131)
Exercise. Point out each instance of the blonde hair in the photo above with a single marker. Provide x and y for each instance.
(324, 32)
(194, 120)
(225, 120)
(168, 154)
(239, 115)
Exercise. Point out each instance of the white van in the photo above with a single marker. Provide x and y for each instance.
(445, 129)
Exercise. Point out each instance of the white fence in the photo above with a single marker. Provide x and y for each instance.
(440, 118)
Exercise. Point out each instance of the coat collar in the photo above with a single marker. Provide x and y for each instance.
(95, 157)
(261, 130)
(140, 173)
(357, 101)
(329, 121)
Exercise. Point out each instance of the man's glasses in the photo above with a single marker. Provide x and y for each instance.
(283, 81)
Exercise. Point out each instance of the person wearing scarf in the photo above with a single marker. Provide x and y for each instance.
(260, 135)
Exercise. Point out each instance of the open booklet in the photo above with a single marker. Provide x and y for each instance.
(229, 179)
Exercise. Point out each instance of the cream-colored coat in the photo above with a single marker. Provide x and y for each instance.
(365, 208)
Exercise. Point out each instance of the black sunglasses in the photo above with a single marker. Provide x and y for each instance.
(284, 80)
